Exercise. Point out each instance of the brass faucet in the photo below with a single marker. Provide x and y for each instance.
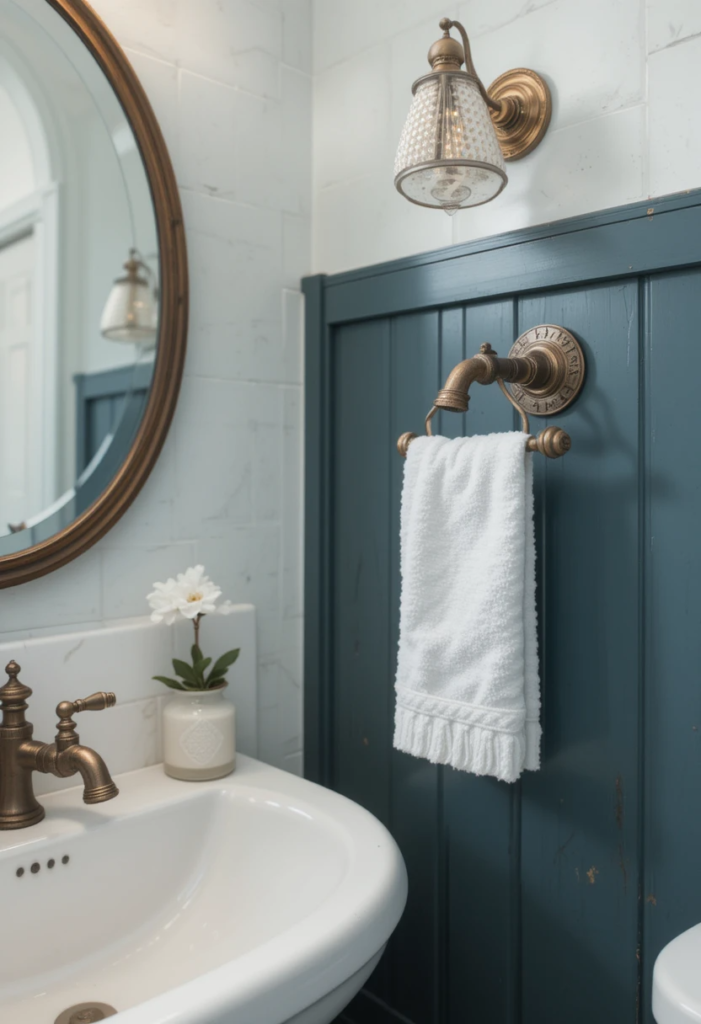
(20, 755)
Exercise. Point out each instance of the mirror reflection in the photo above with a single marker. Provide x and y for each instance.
(79, 267)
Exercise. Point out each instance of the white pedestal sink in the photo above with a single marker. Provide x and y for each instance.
(256, 899)
(676, 981)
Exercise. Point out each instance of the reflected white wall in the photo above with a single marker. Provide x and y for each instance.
(17, 174)
(231, 86)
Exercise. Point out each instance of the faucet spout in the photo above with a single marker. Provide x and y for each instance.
(97, 781)
(49, 760)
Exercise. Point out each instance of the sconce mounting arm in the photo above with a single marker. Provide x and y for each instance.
(519, 101)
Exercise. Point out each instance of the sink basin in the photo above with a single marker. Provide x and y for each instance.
(256, 899)
(676, 982)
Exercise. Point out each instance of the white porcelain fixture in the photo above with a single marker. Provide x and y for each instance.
(256, 899)
(676, 982)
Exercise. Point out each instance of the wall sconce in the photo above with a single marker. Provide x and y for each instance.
(131, 311)
(458, 134)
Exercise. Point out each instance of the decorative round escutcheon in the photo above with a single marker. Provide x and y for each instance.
(563, 352)
(526, 107)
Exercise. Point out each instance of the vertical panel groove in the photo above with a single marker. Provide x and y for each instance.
(442, 908)
(328, 690)
(393, 963)
(516, 967)
(643, 548)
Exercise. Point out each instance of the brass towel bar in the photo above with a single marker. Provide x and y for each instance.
(546, 370)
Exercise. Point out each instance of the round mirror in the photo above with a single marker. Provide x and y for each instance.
(93, 285)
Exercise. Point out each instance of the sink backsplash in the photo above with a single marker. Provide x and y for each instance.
(123, 657)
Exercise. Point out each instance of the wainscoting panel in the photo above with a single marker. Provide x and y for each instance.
(547, 900)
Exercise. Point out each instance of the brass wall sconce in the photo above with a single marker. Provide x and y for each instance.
(545, 368)
(458, 134)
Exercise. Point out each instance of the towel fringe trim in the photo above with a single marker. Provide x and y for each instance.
(469, 748)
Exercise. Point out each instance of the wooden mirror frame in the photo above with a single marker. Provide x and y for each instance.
(101, 516)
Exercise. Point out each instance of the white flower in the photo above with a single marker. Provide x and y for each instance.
(165, 602)
(197, 592)
(190, 594)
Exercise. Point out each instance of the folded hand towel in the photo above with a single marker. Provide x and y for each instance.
(467, 672)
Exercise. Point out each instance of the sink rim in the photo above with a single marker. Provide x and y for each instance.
(305, 961)
(676, 984)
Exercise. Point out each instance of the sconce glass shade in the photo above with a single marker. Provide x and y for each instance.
(449, 156)
(131, 311)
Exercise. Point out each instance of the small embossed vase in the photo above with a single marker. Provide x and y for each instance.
(199, 735)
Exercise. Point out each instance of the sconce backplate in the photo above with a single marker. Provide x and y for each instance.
(525, 115)
(565, 354)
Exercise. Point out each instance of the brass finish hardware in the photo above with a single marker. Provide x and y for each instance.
(85, 1013)
(447, 54)
(546, 370)
(525, 109)
(20, 755)
(102, 515)
(519, 101)
(564, 354)
(403, 442)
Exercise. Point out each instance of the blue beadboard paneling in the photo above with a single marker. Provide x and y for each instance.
(550, 899)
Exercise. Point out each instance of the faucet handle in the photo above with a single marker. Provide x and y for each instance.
(66, 736)
(95, 702)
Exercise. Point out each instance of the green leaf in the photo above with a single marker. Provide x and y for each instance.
(219, 671)
(216, 680)
(172, 683)
(196, 653)
(201, 666)
(222, 665)
(186, 671)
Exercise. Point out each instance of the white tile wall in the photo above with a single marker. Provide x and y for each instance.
(675, 140)
(230, 83)
(622, 127)
(122, 658)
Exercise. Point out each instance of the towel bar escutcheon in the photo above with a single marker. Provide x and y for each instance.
(545, 369)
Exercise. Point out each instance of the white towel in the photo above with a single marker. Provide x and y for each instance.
(468, 692)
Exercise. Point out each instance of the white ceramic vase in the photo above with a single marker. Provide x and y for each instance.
(199, 735)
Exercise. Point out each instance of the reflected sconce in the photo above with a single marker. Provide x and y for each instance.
(458, 134)
(131, 311)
